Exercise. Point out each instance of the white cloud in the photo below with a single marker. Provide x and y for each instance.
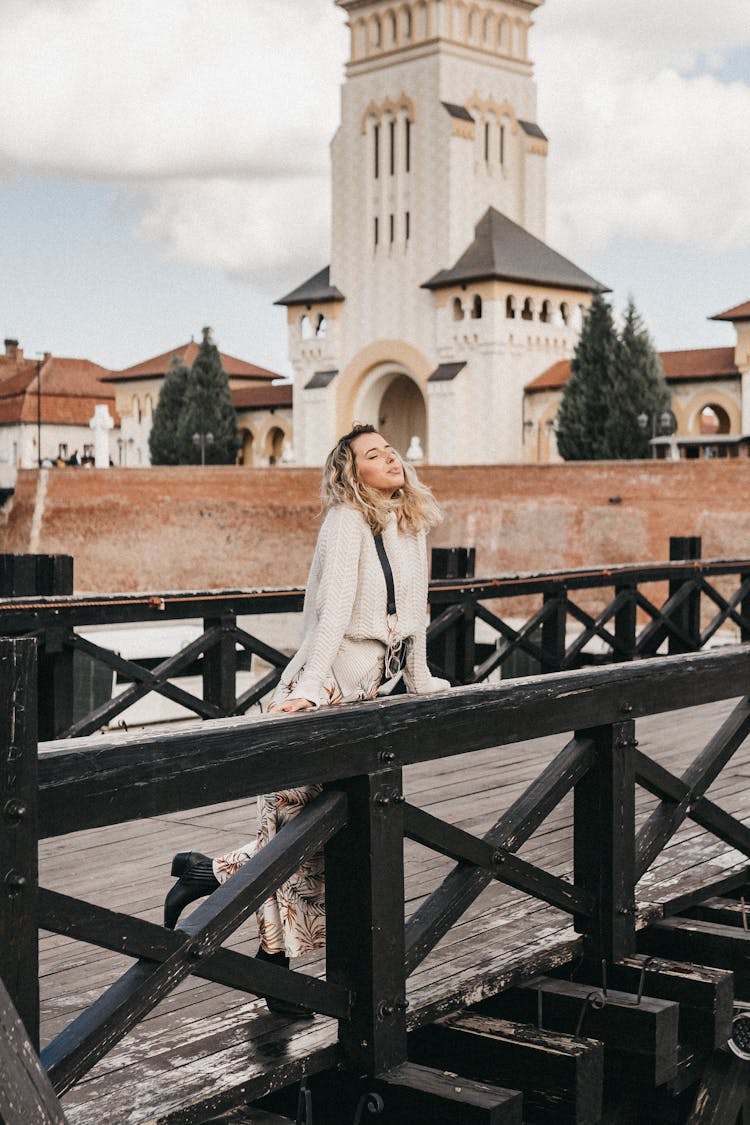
(263, 229)
(216, 119)
(643, 146)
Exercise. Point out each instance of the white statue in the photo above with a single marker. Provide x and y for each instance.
(415, 453)
(101, 424)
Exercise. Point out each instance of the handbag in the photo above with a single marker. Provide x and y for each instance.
(396, 649)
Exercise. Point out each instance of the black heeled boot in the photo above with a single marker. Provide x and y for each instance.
(283, 1007)
(195, 878)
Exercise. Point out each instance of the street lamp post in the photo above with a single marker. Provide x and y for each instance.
(39, 363)
(203, 440)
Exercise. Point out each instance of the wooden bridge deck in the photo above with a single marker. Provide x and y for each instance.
(206, 1047)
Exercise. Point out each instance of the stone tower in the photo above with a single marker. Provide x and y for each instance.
(438, 223)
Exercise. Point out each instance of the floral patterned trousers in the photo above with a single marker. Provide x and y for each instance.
(293, 919)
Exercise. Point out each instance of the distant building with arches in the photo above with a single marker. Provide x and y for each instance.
(442, 299)
(710, 390)
(263, 405)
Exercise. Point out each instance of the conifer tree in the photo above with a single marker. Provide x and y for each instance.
(640, 391)
(615, 380)
(208, 409)
(163, 444)
(582, 417)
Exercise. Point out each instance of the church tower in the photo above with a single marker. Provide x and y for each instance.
(439, 203)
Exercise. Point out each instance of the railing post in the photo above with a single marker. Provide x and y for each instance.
(625, 623)
(19, 938)
(220, 665)
(604, 841)
(553, 628)
(454, 650)
(45, 575)
(365, 921)
(745, 608)
(688, 615)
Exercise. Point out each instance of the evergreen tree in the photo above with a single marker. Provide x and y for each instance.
(615, 380)
(640, 390)
(586, 397)
(162, 442)
(208, 409)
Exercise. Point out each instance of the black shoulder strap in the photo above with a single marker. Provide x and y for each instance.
(387, 573)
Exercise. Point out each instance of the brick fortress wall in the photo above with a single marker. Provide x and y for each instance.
(182, 528)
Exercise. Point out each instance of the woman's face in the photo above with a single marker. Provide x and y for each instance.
(378, 464)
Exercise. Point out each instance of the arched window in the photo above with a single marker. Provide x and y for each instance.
(565, 312)
(274, 446)
(473, 25)
(714, 420)
(406, 24)
(476, 307)
(528, 309)
(503, 35)
(546, 314)
(487, 30)
(510, 308)
(321, 326)
(376, 32)
(392, 33)
(458, 309)
(306, 328)
(136, 409)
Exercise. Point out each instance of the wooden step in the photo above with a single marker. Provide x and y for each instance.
(705, 994)
(704, 943)
(561, 1075)
(647, 1031)
(414, 1093)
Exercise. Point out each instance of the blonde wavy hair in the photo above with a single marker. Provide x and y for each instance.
(415, 507)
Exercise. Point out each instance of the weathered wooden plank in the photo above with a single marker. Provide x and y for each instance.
(141, 988)
(725, 911)
(365, 921)
(122, 933)
(721, 1092)
(561, 1075)
(451, 841)
(419, 1093)
(19, 963)
(129, 776)
(705, 995)
(648, 1029)
(462, 886)
(707, 943)
(668, 816)
(26, 1094)
(604, 841)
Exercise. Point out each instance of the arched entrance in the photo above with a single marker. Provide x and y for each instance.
(393, 402)
(274, 446)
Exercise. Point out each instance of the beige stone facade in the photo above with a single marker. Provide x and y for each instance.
(710, 389)
(442, 300)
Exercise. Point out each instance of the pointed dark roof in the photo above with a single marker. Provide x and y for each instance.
(315, 290)
(739, 312)
(503, 249)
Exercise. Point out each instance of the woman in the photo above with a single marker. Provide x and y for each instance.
(352, 649)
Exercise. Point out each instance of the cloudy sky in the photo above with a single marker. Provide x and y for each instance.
(165, 166)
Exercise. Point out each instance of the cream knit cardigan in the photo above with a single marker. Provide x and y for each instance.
(344, 625)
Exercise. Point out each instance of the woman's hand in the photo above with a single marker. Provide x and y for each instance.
(292, 705)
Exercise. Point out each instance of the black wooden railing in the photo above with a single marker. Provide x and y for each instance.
(358, 753)
(538, 623)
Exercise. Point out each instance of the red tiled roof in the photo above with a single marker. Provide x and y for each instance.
(739, 312)
(256, 398)
(71, 388)
(159, 365)
(695, 363)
